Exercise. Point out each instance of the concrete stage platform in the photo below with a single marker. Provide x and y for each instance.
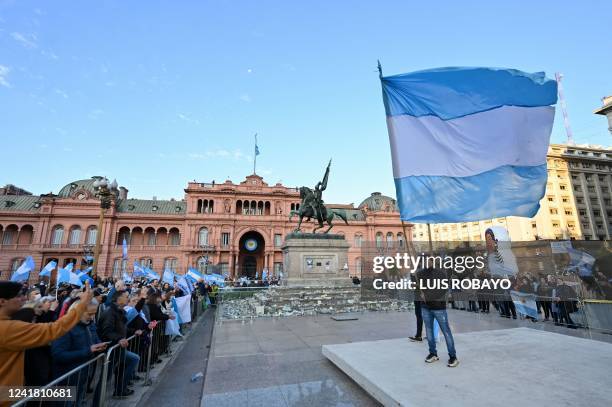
(509, 367)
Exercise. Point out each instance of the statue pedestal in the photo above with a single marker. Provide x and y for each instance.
(315, 259)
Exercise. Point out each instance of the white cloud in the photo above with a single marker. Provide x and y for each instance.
(4, 71)
(188, 119)
(95, 114)
(49, 54)
(61, 93)
(249, 70)
(27, 40)
(245, 98)
(110, 84)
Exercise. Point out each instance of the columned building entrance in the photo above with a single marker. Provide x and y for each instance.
(251, 256)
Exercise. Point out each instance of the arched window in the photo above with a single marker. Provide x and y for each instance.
(57, 235)
(15, 264)
(199, 206)
(150, 237)
(379, 239)
(10, 235)
(175, 237)
(203, 236)
(74, 238)
(92, 235)
(26, 234)
(170, 263)
(400, 239)
(124, 233)
(146, 262)
(201, 264)
(358, 240)
(389, 239)
(239, 207)
(119, 265)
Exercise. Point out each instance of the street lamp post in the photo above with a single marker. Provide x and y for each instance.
(106, 192)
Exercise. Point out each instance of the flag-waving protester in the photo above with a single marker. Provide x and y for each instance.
(17, 336)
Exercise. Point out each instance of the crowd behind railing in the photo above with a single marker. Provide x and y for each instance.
(123, 332)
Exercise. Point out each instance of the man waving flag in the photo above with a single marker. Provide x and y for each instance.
(468, 143)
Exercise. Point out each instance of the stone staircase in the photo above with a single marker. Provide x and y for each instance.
(299, 301)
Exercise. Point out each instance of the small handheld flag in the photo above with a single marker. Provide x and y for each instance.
(168, 277)
(23, 272)
(66, 275)
(46, 271)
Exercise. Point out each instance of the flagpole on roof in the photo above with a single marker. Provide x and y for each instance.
(379, 69)
(255, 154)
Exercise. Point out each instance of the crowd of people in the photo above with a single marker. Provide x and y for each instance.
(45, 333)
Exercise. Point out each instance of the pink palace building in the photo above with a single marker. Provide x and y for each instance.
(233, 229)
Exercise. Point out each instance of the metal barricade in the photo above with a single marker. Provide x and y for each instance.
(82, 378)
(119, 368)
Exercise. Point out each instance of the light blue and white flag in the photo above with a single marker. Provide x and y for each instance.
(194, 274)
(125, 249)
(525, 303)
(150, 274)
(181, 282)
(23, 272)
(214, 279)
(66, 275)
(581, 261)
(82, 275)
(469, 143)
(139, 271)
(130, 313)
(126, 277)
(182, 308)
(168, 277)
(69, 267)
(46, 271)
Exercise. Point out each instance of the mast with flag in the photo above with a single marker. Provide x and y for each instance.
(256, 153)
(468, 144)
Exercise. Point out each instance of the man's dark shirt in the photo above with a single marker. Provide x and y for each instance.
(435, 299)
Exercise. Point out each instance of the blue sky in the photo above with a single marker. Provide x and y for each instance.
(158, 93)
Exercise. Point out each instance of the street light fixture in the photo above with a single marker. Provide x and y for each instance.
(107, 193)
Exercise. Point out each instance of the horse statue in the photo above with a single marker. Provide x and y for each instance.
(312, 208)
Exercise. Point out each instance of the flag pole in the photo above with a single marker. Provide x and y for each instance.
(255, 155)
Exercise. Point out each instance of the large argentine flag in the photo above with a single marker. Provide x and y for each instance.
(469, 143)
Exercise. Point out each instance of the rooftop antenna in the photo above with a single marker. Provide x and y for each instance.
(568, 129)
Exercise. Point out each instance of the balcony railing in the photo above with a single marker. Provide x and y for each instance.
(144, 247)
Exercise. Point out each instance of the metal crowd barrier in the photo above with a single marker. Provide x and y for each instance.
(81, 377)
(114, 364)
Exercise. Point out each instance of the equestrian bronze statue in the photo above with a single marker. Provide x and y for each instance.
(312, 207)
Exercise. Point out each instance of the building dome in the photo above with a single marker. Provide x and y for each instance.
(80, 185)
(379, 202)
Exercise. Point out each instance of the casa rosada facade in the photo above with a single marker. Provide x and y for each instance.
(233, 229)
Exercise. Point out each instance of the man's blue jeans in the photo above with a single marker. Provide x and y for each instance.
(125, 370)
(442, 318)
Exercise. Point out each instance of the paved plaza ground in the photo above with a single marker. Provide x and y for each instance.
(278, 362)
